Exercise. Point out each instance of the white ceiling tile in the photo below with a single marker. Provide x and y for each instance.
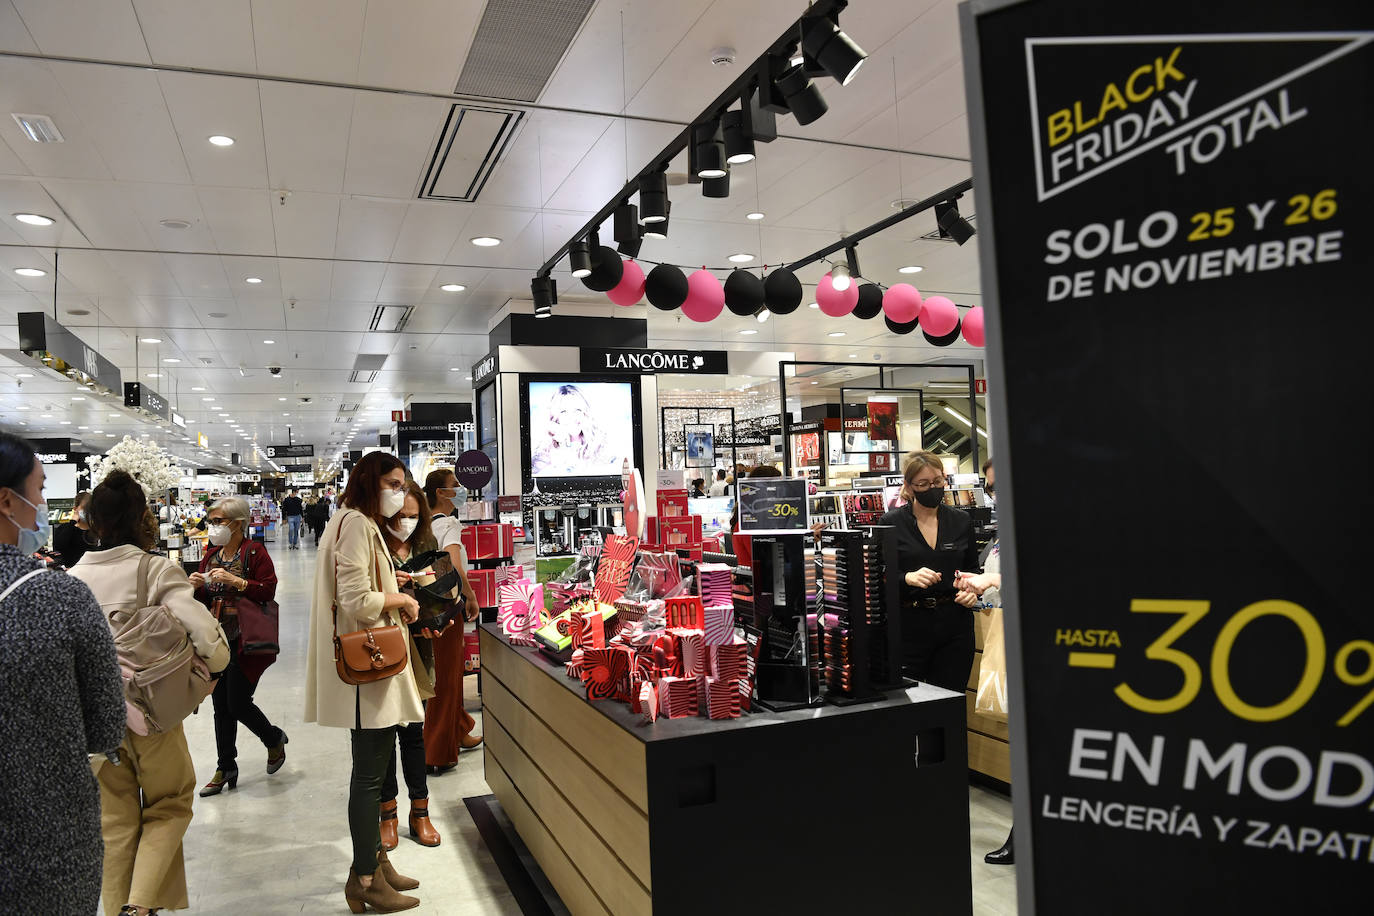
(30, 197)
(239, 220)
(430, 229)
(306, 131)
(417, 44)
(123, 112)
(391, 140)
(102, 211)
(311, 39)
(368, 228)
(156, 202)
(30, 87)
(10, 164)
(306, 280)
(96, 29)
(205, 106)
(406, 284)
(356, 282)
(209, 34)
(14, 35)
(199, 276)
(306, 224)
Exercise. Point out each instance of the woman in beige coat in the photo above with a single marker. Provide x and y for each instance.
(356, 588)
(145, 801)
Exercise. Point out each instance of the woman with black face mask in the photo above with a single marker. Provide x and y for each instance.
(934, 541)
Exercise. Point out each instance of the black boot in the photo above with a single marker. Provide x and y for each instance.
(1001, 856)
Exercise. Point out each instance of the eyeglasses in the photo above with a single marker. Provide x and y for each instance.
(921, 486)
(221, 520)
(398, 488)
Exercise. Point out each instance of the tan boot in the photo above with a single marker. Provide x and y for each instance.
(393, 877)
(381, 896)
(388, 817)
(420, 827)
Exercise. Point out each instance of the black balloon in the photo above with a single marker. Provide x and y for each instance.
(782, 292)
(607, 269)
(896, 328)
(666, 287)
(870, 301)
(743, 292)
(948, 339)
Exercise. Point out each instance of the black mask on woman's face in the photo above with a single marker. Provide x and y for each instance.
(931, 498)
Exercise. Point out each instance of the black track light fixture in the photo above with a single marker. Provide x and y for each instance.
(544, 291)
(625, 224)
(831, 49)
(659, 230)
(630, 247)
(716, 187)
(653, 196)
(842, 275)
(708, 150)
(952, 225)
(739, 145)
(580, 257)
(801, 96)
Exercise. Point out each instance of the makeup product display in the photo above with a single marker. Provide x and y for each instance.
(863, 508)
(861, 640)
(788, 664)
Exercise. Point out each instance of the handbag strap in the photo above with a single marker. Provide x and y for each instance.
(141, 596)
(377, 576)
(20, 581)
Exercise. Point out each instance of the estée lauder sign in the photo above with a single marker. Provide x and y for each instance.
(692, 362)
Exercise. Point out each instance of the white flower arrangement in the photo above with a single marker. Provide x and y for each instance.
(141, 460)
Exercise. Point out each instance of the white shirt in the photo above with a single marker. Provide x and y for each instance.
(448, 531)
(718, 488)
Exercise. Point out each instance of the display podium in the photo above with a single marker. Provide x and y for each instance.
(848, 809)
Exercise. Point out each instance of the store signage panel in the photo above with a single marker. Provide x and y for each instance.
(773, 505)
(650, 362)
(297, 469)
(202, 440)
(485, 368)
(473, 469)
(1195, 728)
(178, 420)
(39, 334)
(290, 451)
(139, 395)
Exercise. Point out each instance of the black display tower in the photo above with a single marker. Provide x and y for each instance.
(860, 591)
(784, 671)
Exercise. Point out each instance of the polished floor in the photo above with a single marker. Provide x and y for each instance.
(279, 844)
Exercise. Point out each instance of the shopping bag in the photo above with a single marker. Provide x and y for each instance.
(992, 673)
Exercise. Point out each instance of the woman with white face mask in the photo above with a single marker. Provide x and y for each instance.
(356, 589)
(235, 566)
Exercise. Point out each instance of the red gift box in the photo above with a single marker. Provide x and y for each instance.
(484, 584)
(488, 542)
(671, 503)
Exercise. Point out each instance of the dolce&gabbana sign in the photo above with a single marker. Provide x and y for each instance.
(650, 362)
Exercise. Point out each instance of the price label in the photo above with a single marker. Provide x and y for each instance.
(773, 505)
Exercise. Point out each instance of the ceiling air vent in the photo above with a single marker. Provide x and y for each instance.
(366, 366)
(38, 128)
(469, 147)
(518, 45)
(391, 318)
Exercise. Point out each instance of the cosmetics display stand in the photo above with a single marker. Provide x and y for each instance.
(788, 667)
(624, 817)
(859, 622)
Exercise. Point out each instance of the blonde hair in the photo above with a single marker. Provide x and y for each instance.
(915, 462)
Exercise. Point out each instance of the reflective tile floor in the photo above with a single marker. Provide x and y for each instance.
(279, 844)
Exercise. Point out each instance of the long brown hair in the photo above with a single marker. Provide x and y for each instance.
(364, 490)
(118, 513)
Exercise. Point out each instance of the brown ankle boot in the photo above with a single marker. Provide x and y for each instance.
(420, 827)
(393, 877)
(381, 896)
(388, 816)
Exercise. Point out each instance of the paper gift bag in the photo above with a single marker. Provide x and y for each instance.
(992, 672)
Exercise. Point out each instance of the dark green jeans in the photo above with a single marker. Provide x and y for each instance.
(373, 749)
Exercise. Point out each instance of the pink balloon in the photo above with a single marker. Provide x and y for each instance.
(973, 326)
(705, 296)
(902, 303)
(938, 316)
(836, 303)
(630, 289)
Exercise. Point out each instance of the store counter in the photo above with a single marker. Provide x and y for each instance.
(793, 812)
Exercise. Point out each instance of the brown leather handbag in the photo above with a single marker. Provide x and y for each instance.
(370, 655)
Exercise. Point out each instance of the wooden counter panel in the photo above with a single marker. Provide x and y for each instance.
(989, 756)
(617, 887)
(572, 888)
(604, 745)
(622, 826)
(987, 725)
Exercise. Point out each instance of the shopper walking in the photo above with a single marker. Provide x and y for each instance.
(409, 535)
(145, 799)
(318, 516)
(60, 699)
(356, 588)
(293, 510)
(235, 568)
(934, 541)
(448, 725)
(69, 540)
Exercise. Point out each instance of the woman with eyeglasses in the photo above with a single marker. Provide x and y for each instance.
(934, 542)
(235, 567)
(356, 588)
(71, 540)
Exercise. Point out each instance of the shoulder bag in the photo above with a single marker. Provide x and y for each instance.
(369, 655)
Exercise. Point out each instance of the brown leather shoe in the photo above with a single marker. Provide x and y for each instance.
(420, 827)
(393, 877)
(381, 896)
(388, 816)
(470, 741)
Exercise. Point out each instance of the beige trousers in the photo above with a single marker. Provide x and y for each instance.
(145, 808)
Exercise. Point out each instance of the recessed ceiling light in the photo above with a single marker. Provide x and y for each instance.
(77, 397)
(174, 222)
(154, 375)
(30, 272)
(219, 314)
(486, 241)
(221, 140)
(910, 269)
(24, 407)
(835, 334)
(170, 359)
(815, 383)
(23, 375)
(269, 341)
(755, 215)
(453, 287)
(741, 258)
(814, 305)
(197, 387)
(454, 369)
(46, 416)
(83, 427)
(34, 219)
(153, 340)
(253, 280)
(281, 399)
(225, 445)
(97, 430)
(114, 416)
(109, 435)
(749, 331)
(64, 422)
(853, 356)
(207, 399)
(286, 415)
